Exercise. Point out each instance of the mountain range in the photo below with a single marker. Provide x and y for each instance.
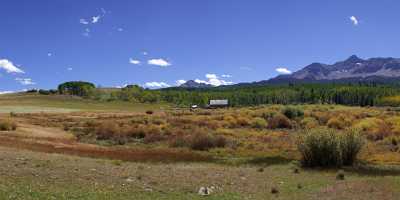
(353, 69)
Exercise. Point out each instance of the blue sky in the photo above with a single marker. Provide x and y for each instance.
(158, 42)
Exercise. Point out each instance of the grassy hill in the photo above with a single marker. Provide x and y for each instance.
(27, 103)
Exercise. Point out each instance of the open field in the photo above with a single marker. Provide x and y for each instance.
(123, 150)
(33, 103)
(31, 175)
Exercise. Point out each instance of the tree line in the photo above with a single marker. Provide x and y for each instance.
(361, 94)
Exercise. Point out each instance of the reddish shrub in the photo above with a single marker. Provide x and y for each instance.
(106, 130)
(149, 112)
(199, 141)
(279, 121)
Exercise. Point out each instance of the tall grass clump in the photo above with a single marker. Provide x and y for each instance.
(329, 148)
(350, 144)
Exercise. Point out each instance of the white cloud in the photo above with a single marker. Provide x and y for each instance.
(83, 21)
(7, 92)
(200, 81)
(120, 29)
(121, 86)
(145, 53)
(156, 85)
(180, 82)
(69, 68)
(211, 76)
(95, 19)
(134, 62)
(49, 54)
(159, 62)
(354, 20)
(9, 66)
(226, 76)
(25, 81)
(283, 70)
(214, 80)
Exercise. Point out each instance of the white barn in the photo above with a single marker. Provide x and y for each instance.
(219, 103)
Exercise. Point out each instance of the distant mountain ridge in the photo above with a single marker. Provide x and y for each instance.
(351, 69)
(194, 84)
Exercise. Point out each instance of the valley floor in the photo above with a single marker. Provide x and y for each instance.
(56, 152)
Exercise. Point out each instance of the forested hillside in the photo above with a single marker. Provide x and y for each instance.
(346, 94)
(360, 94)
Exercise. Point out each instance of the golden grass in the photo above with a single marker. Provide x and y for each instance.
(262, 130)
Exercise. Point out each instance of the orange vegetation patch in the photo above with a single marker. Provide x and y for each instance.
(117, 153)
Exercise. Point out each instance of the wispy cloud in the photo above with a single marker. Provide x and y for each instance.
(9, 66)
(103, 11)
(69, 68)
(25, 81)
(159, 62)
(7, 92)
(283, 70)
(83, 21)
(156, 85)
(226, 76)
(354, 20)
(134, 61)
(86, 33)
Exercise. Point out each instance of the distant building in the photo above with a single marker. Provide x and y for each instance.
(193, 107)
(218, 103)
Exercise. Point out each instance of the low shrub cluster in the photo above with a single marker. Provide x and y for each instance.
(200, 141)
(7, 125)
(374, 128)
(339, 122)
(309, 123)
(329, 148)
(47, 92)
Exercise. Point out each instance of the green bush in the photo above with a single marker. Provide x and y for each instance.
(44, 92)
(292, 112)
(329, 148)
(259, 122)
(7, 125)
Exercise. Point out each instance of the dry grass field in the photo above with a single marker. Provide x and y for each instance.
(121, 150)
